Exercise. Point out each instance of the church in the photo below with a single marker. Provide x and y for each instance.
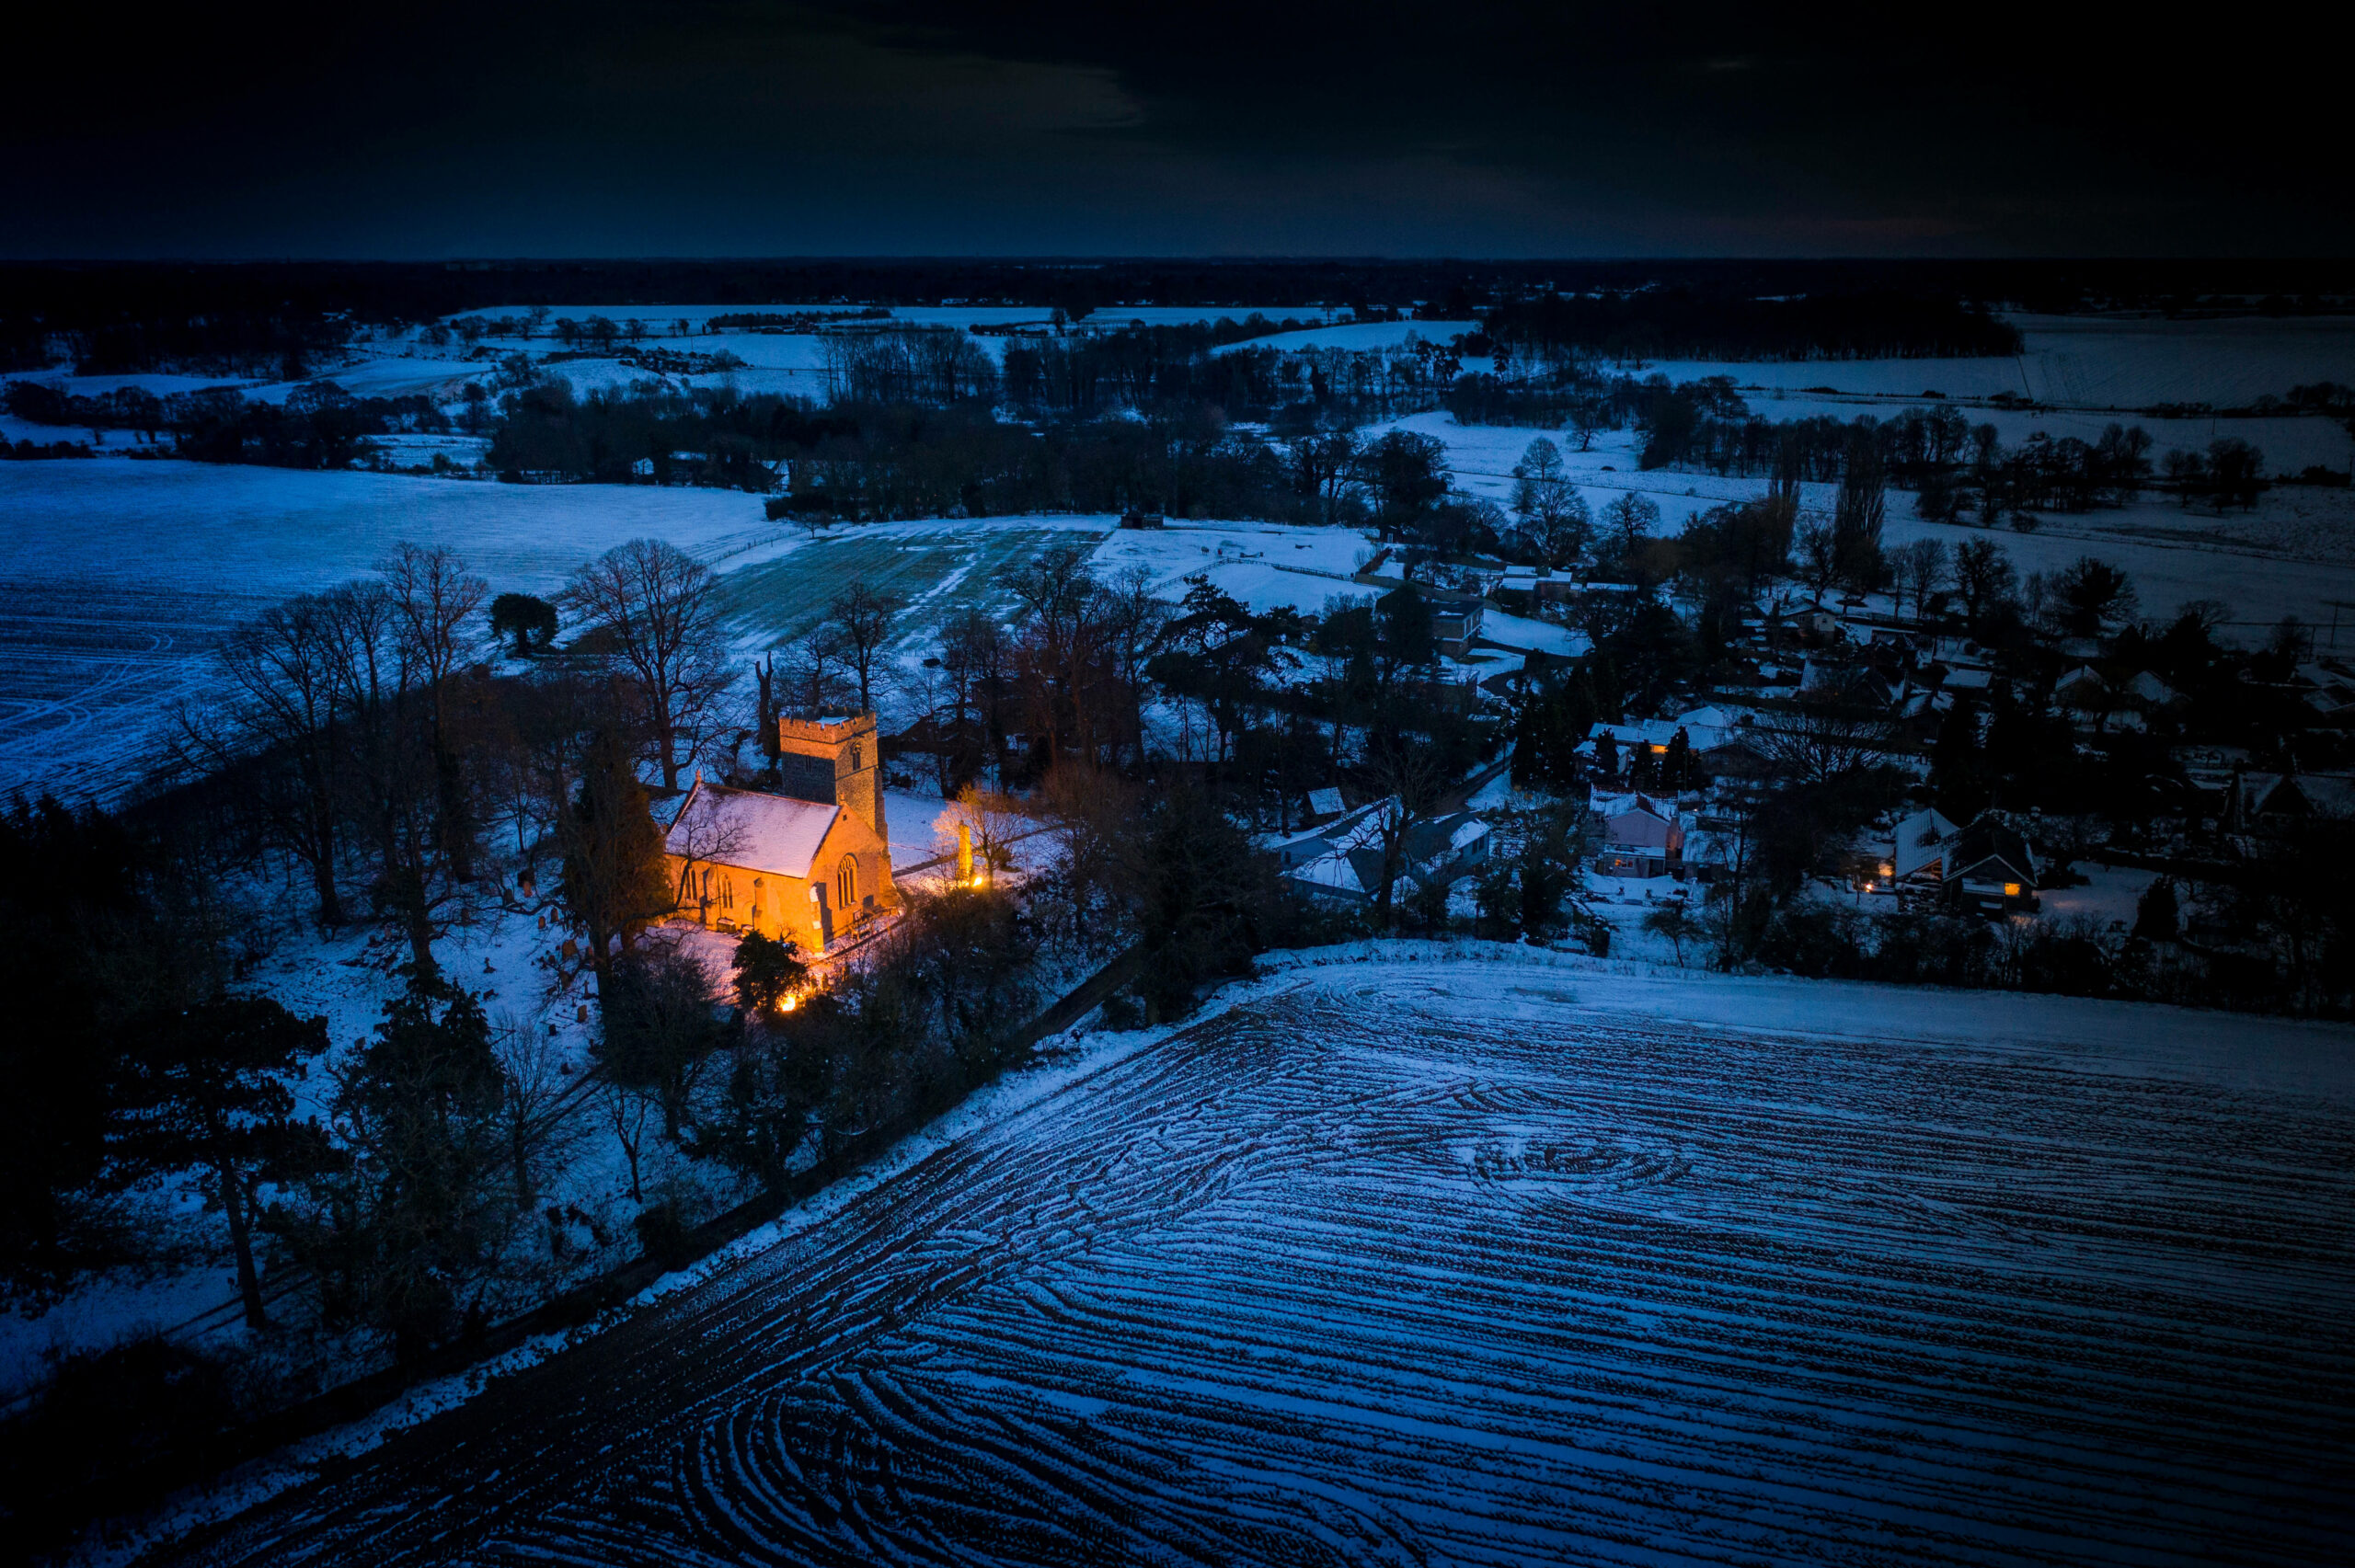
(808, 863)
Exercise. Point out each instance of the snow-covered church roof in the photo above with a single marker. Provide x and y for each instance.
(758, 831)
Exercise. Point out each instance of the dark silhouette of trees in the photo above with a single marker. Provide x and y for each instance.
(614, 881)
(410, 1220)
(529, 622)
(207, 1089)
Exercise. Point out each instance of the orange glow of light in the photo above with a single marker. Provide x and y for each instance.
(2011, 889)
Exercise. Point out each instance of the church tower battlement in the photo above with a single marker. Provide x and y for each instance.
(836, 760)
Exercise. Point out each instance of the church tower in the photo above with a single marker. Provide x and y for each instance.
(836, 762)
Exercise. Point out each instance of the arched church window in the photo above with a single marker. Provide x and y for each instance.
(847, 885)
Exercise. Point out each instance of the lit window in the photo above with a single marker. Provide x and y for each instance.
(2011, 889)
(847, 885)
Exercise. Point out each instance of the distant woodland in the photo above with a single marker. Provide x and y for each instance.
(276, 318)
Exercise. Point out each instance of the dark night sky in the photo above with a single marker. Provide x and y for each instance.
(930, 127)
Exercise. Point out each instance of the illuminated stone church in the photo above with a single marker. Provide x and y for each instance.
(807, 863)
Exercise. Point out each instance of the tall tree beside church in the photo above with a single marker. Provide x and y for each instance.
(614, 882)
(208, 1089)
(655, 612)
(863, 618)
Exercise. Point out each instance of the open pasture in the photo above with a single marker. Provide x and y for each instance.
(1492, 1263)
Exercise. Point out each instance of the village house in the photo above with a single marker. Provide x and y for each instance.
(1917, 858)
(1989, 869)
(1344, 859)
(2283, 802)
(1455, 617)
(807, 863)
(1641, 836)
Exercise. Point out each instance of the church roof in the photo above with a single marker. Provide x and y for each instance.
(747, 828)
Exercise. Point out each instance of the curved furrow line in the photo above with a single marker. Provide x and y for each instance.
(1362, 1272)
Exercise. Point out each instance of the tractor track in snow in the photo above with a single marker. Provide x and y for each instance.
(1355, 1273)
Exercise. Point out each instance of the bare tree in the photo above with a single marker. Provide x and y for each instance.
(1413, 775)
(435, 597)
(1921, 566)
(863, 618)
(657, 611)
(1819, 559)
(1324, 466)
(1825, 739)
(1630, 517)
(1135, 618)
(1552, 512)
(1060, 630)
(280, 666)
(1858, 512)
(1983, 574)
(540, 1110)
(812, 680)
(975, 658)
(388, 755)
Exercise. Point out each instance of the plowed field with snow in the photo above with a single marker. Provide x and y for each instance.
(1454, 1263)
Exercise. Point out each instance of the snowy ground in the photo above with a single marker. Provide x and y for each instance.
(2293, 556)
(116, 578)
(2086, 362)
(505, 957)
(1480, 1255)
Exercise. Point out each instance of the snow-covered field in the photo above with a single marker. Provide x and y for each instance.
(2085, 361)
(117, 578)
(935, 568)
(118, 575)
(1359, 334)
(1480, 1255)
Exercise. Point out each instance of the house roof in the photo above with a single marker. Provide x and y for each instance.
(1346, 857)
(1447, 837)
(1327, 800)
(2298, 794)
(1921, 842)
(748, 828)
(2085, 674)
(1608, 806)
(1990, 843)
